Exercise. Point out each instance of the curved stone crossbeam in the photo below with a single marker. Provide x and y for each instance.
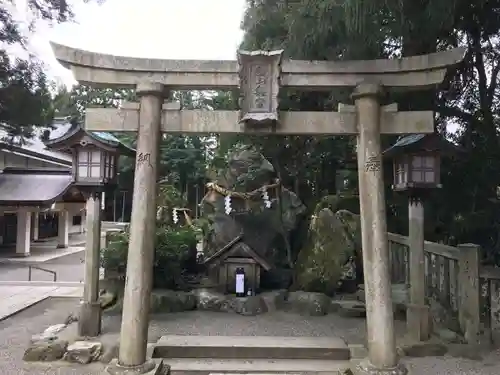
(116, 71)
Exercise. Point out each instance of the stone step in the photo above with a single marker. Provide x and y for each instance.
(210, 366)
(252, 347)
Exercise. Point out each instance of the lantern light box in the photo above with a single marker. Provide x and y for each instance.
(417, 161)
(95, 156)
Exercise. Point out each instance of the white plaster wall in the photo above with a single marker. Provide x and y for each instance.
(73, 229)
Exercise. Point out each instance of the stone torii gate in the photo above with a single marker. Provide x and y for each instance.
(259, 76)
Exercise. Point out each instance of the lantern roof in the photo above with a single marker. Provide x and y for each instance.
(422, 143)
(69, 135)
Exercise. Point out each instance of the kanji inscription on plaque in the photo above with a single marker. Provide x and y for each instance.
(259, 84)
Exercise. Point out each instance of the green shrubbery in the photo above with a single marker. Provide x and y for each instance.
(175, 250)
(175, 253)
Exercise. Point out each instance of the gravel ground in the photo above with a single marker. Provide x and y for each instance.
(16, 332)
(269, 324)
(284, 324)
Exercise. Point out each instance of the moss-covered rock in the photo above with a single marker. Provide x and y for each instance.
(167, 301)
(266, 224)
(334, 243)
(310, 304)
(343, 201)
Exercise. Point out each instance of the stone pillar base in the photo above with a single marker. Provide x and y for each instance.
(89, 322)
(366, 368)
(418, 322)
(149, 367)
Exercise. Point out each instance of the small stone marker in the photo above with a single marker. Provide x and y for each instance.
(45, 351)
(83, 352)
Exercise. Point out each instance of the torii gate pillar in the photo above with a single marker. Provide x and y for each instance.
(382, 356)
(139, 280)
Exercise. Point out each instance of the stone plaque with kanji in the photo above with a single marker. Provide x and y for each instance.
(259, 75)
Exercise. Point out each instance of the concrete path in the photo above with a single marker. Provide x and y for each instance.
(49, 254)
(46, 250)
(17, 296)
(69, 268)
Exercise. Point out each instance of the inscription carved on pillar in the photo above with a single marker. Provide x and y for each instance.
(259, 76)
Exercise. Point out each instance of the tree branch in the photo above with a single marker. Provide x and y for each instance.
(493, 82)
(455, 112)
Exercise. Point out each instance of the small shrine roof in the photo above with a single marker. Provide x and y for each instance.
(225, 252)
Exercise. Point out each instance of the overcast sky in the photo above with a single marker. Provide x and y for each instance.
(174, 29)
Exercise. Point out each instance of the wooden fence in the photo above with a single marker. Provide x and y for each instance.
(462, 295)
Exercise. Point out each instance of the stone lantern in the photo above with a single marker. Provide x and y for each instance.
(417, 162)
(94, 169)
(417, 165)
(94, 164)
(95, 157)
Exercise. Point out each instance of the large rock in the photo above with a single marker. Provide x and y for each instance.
(249, 306)
(263, 227)
(45, 350)
(107, 299)
(83, 352)
(169, 301)
(337, 202)
(329, 258)
(306, 303)
(348, 308)
(275, 299)
(162, 301)
(212, 301)
(209, 300)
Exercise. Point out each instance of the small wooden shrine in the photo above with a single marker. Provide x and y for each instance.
(223, 266)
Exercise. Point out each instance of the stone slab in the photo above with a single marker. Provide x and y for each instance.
(358, 351)
(251, 347)
(216, 366)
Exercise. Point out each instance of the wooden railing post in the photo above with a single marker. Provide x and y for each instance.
(469, 292)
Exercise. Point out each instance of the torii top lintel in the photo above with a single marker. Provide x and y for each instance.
(417, 72)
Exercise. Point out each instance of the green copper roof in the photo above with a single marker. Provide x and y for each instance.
(63, 129)
(405, 140)
(408, 140)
